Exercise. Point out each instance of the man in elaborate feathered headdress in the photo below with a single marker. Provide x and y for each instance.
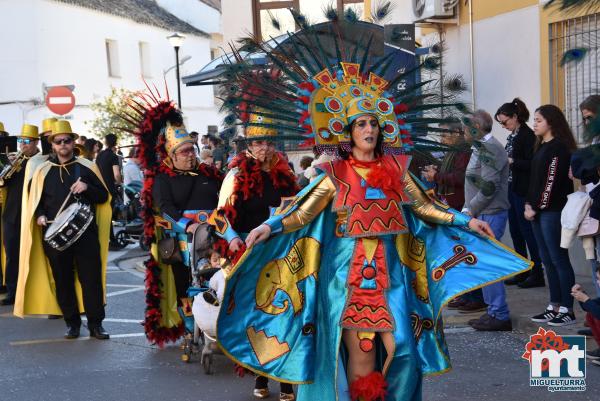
(179, 194)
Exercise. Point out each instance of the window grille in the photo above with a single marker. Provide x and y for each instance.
(572, 83)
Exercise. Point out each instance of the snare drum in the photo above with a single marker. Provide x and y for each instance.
(68, 226)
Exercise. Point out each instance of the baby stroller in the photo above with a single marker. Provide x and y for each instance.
(205, 309)
(199, 316)
(128, 217)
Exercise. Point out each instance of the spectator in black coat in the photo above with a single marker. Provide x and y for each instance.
(520, 142)
(548, 189)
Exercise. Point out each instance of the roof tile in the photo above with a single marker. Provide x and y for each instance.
(146, 12)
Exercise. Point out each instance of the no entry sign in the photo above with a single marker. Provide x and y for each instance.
(60, 100)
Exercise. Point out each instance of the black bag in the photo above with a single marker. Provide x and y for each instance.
(168, 249)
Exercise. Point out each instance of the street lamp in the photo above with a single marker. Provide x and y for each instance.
(176, 40)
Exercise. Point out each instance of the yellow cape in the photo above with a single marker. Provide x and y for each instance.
(168, 301)
(36, 292)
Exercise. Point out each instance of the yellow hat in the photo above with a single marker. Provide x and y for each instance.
(29, 131)
(260, 132)
(2, 128)
(175, 136)
(47, 125)
(61, 127)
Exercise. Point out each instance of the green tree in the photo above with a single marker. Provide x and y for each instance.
(107, 111)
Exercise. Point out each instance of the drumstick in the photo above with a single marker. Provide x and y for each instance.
(66, 199)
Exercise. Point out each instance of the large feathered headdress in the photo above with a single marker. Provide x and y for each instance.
(316, 81)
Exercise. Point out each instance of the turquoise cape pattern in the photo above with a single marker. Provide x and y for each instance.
(297, 337)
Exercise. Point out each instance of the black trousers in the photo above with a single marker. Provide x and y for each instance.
(12, 245)
(85, 254)
(1, 276)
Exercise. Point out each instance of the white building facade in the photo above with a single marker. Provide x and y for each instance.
(82, 43)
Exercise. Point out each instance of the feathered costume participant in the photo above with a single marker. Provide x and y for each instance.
(346, 297)
(253, 185)
(258, 180)
(159, 133)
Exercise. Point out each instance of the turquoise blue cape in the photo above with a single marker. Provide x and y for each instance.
(303, 345)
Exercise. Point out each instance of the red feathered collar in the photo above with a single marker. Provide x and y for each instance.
(377, 177)
(249, 179)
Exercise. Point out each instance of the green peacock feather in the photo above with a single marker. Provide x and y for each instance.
(487, 188)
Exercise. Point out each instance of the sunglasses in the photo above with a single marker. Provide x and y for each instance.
(25, 140)
(587, 119)
(65, 141)
(503, 123)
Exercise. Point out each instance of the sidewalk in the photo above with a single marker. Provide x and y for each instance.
(126, 254)
(524, 303)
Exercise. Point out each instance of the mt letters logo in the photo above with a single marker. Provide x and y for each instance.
(556, 362)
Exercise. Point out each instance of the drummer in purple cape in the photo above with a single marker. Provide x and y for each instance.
(66, 225)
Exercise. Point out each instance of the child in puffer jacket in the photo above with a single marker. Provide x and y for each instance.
(592, 307)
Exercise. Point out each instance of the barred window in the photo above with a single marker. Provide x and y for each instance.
(572, 83)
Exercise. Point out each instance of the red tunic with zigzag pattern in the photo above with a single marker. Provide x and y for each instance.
(373, 205)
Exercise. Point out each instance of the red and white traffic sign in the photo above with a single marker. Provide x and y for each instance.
(60, 100)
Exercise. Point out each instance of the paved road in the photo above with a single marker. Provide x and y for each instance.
(488, 366)
(37, 364)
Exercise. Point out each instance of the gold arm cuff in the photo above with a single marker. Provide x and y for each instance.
(314, 203)
(423, 206)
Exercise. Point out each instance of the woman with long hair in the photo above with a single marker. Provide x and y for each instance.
(513, 117)
(547, 195)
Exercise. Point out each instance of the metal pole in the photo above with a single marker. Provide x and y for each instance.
(178, 80)
(472, 56)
